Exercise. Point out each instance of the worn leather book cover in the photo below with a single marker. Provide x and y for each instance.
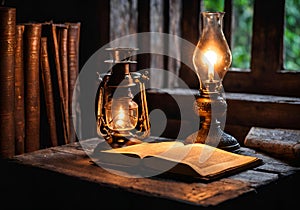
(49, 31)
(62, 38)
(19, 92)
(59, 81)
(73, 64)
(7, 81)
(48, 92)
(277, 142)
(32, 39)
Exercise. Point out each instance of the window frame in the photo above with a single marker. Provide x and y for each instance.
(265, 76)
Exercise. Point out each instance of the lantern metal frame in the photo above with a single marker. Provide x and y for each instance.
(122, 82)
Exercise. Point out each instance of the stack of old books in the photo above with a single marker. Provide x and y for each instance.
(39, 66)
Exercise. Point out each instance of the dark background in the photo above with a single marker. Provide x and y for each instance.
(93, 15)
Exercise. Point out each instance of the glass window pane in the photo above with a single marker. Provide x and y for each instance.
(292, 35)
(241, 29)
(242, 33)
(213, 6)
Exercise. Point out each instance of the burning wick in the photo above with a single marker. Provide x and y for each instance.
(210, 58)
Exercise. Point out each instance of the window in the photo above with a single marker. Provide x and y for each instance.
(267, 55)
(263, 45)
(241, 33)
(241, 29)
(292, 36)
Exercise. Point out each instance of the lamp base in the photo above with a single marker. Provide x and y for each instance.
(211, 107)
(228, 142)
(214, 137)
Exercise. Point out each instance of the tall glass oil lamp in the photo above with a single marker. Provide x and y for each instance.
(212, 58)
(121, 105)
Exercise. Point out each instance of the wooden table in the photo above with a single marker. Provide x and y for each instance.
(64, 177)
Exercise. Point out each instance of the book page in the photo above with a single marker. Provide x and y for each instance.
(147, 149)
(206, 160)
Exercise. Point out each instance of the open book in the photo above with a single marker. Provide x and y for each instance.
(191, 160)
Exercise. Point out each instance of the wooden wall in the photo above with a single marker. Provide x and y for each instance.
(93, 15)
(243, 111)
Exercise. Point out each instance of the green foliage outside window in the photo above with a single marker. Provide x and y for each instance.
(213, 5)
(292, 35)
(242, 31)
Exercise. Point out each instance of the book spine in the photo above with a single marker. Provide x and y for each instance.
(48, 92)
(19, 92)
(7, 81)
(62, 35)
(32, 36)
(47, 32)
(59, 81)
(73, 62)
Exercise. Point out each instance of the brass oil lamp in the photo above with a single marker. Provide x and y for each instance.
(121, 105)
(212, 58)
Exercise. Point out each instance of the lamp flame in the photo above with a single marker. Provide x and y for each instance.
(210, 58)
